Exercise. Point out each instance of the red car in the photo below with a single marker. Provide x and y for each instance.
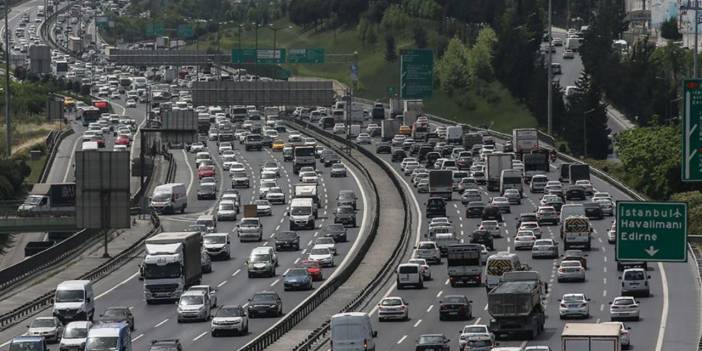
(122, 140)
(206, 171)
(100, 142)
(313, 269)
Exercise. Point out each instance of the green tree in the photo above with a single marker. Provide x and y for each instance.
(390, 49)
(481, 54)
(394, 20)
(669, 29)
(588, 120)
(420, 35)
(452, 68)
(694, 209)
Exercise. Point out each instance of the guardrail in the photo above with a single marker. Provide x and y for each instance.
(20, 313)
(285, 324)
(52, 141)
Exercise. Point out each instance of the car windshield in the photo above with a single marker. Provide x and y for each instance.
(161, 197)
(215, 239)
(207, 187)
(623, 302)
(191, 300)
(300, 211)
(226, 207)
(118, 313)
(260, 258)
(263, 298)
(229, 312)
(473, 329)
(335, 228)
(319, 251)
(391, 302)
(454, 299)
(431, 339)
(75, 332)
(42, 323)
(426, 246)
(262, 203)
(344, 209)
(572, 298)
(239, 174)
(324, 241)
(69, 296)
(100, 343)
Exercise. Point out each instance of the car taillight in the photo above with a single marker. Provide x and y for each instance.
(561, 270)
(365, 344)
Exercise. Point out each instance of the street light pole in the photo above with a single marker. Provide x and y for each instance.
(549, 74)
(8, 139)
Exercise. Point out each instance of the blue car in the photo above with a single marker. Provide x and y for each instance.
(297, 279)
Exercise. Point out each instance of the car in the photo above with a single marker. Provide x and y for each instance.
(635, 282)
(593, 210)
(474, 209)
(524, 240)
(271, 167)
(612, 233)
(433, 342)
(345, 215)
(225, 146)
(265, 303)
(363, 138)
(383, 148)
(575, 193)
(574, 305)
(429, 251)
(557, 42)
(601, 195)
(230, 318)
(194, 305)
(263, 208)
(74, 335)
(547, 214)
(571, 271)
(346, 198)
(339, 128)
(227, 210)
(491, 212)
(335, 231)
(326, 243)
(624, 308)
(309, 177)
(275, 195)
(491, 226)
(586, 185)
(323, 255)
(398, 155)
(122, 140)
(269, 175)
(538, 183)
(423, 267)
(472, 330)
(48, 327)
(393, 307)
(544, 248)
(455, 307)
(249, 228)
(207, 191)
(533, 226)
(624, 337)
(337, 170)
(568, 54)
(423, 186)
(482, 237)
(277, 145)
(313, 268)
(471, 195)
(265, 185)
(606, 206)
(297, 279)
(513, 196)
(205, 171)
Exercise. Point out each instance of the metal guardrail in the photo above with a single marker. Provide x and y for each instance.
(22, 312)
(285, 324)
(52, 141)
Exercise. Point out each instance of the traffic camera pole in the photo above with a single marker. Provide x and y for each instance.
(550, 73)
(8, 138)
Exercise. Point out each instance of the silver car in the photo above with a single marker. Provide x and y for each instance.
(513, 196)
(607, 206)
(230, 319)
(571, 271)
(338, 170)
(574, 305)
(48, 327)
(544, 248)
(193, 305)
(524, 240)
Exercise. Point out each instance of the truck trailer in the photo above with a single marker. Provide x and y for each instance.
(590, 337)
(496, 163)
(515, 305)
(172, 264)
(441, 184)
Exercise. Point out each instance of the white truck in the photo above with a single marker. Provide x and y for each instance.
(496, 163)
(48, 199)
(390, 127)
(454, 135)
(591, 337)
(463, 262)
(576, 231)
(172, 263)
(524, 140)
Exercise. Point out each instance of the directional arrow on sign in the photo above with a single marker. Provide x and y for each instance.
(651, 251)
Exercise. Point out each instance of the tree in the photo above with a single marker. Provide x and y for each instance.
(587, 122)
(390, 49)
(394, 20)
(669, 29)
(481, 54)
(348, 11)
(420, 35)
(452, 68)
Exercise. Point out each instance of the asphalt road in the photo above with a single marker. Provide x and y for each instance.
(668, 301)
(229, 277)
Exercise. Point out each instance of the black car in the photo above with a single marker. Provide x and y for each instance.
(436, 207)
(345, 215)
(331, 159)
(593, 210)
(346, 198)
(286, 240)
(491, 213)
(475, 209)
(482, 237)
(166, 345)
(526, 217)
(118, 314)
(423, 151)
(414, 149)
(335, 231)
(431, 158)
(455, 307)
(383, 148)
(265, 303)
(575, 192)
(207, 192)
(398, 155)
(434, 342)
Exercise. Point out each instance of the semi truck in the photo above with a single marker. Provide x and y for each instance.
(172, 264)
(515, 305)
(591, 337)
(496, 163)
(524, 140)
(49, 199)
(463, 261)
(578, 172)
(441, 184)
(535, 163)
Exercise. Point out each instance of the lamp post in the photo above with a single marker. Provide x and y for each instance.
(549, 73)
(8, 141)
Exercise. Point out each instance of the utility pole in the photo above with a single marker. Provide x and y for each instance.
(549, 74)
(694, 5)
(8, 139)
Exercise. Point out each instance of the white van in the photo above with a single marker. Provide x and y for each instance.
(303, 213)
(109, 336)
(74, 300)
(352, 331)
(409, 274)
(635, 282)
(208, 221)
(168, 198)
(571, 210)
(499, 264)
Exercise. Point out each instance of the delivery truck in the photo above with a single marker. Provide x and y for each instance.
(389, 127)
(591, 337)
(515, 305)
(579, 172)
(496, 163)
(524, 140)
(172, 264)
(49, 199)
(441, 184)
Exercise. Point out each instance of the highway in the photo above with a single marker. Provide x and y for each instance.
(666, 304)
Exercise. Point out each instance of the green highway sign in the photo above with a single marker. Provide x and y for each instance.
(692, 137)
(416, 73)
(651, 231)
(314, 55)
(263, 56)
(154, 29)
(184, 31)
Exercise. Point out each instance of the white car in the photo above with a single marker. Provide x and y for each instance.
(226, 211)
(271, 167)
(131, 103)
(585, 184)
(236, 167)
(327, 243)
(217, 244)
(230, 319)
(533, 226)
(601, 194)
(363, 138)
(410, 166)
(429, 251)
(393, 307)
(493, 227)
(211, 292)
(624, 307)
(471, 330)
(576, 305)
(48, 327)
(225, 145)
(524, 240)
(309, 177)
(275, 195)
(339, 128)
(322, 255)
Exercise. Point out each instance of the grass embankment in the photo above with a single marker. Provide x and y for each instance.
(30, 136)
(376, 74)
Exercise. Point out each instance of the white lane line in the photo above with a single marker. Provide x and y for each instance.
(221, 284)
(402, 339)
(117, 286)
(286, 271)
(664, 313)
(604, 281)
(597, 321)
(418, 323)
(446, 282)
(605, 258)
(523, 345)
(604, 293)
(237, 272)
(601, 307)
(296, 260)
(161, 323)
(485, 308)
(190, 172)
(605, 269)
(438, 295)
(276, 228)
(137, 337)
(430, 308)
(275, 282)
(200, 336)
(477, 320)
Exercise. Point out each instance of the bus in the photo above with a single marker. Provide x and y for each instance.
(88, 114)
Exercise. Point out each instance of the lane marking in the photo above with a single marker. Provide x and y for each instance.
(200, 336)
(161, 323)
(237, 272)
(190, 172)
(117, 286)
(69, 166)
(402, 339)
(275, 282)
(221, 284)
(418, 323)
(664, 313)
(438, 295)
(430, 308)
(137, 337)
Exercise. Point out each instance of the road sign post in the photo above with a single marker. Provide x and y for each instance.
(692, 138)
(416, 74)
(651, 231)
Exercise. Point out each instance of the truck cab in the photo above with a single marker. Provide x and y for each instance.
(172, 263)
